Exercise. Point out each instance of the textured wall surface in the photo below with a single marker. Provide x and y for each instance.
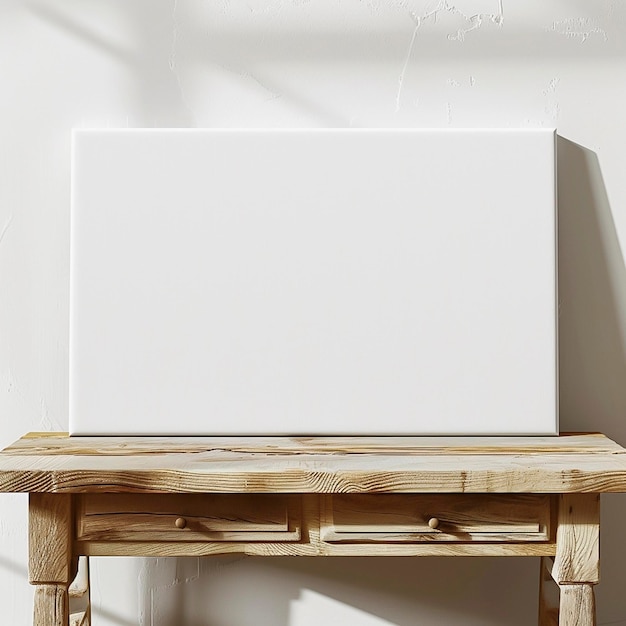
(197, 63)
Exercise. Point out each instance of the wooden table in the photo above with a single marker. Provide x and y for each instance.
(373, 496)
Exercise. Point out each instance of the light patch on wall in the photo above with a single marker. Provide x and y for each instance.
(312, 608)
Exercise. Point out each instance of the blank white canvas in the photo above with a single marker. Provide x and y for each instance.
(313, 282)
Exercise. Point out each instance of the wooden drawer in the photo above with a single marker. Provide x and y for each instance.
(424, 517)
(187, 517)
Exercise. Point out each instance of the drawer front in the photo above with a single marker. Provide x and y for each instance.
(416, 518)
(187, 517)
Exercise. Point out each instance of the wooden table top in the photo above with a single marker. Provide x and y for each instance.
(57, 463)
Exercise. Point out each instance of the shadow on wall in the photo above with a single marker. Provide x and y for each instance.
(14, 567)
(592, 351)
(290, 591)
(147, 56)
(592, 298)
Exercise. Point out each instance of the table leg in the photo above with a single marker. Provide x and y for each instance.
(548, 595)
(51, 606)
(576, 566)
(51, 567)
(577, 605)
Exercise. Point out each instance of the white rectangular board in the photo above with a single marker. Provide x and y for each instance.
(295, 282)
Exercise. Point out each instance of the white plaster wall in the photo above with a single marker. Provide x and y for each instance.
(109, 63)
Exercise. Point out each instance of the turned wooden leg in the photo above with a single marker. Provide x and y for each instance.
(51, 605)
(576, 566)
(50, 565)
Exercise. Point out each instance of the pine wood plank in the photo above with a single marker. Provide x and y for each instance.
(36, 434)
(577, 606)
(187, 517)
(194, 548)
(201, 513)
(51, 607)
(312, 548)
(479, 477)
(389, 518)
(51, 443)
(50, 538)
(578, 539)
(310, 518)
(567, 464)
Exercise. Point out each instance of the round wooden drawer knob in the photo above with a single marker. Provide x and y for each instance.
(433, 522)
(180, 522)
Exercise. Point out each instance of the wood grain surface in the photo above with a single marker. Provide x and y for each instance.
(205, 517)
(569, 463)
(434, 496)
(195, 549)
(51, 605)
(577, 606)
(578, 539)
(404, 518)
(566, 464)
(50, 538)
